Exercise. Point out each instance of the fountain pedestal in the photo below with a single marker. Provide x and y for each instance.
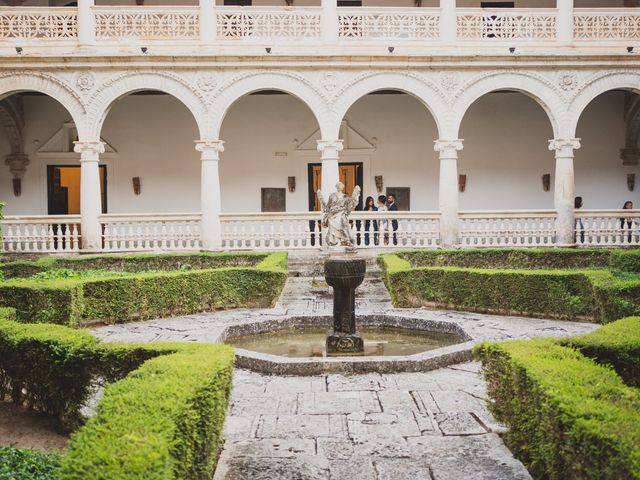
(344, 275)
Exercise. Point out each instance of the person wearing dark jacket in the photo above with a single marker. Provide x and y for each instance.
(370, 206)
(392, 207)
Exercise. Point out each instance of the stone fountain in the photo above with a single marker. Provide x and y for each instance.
(344, 275)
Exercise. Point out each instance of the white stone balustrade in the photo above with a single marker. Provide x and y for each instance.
(608, 228)
(320, 25)
(41, 234)
(507, 229)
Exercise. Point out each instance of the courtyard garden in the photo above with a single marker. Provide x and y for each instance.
(141, 409)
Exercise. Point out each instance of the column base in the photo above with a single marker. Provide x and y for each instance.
(339, 344)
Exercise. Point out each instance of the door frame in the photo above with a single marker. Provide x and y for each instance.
(50, 169)
(359, 180)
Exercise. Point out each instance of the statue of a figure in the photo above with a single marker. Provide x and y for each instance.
(335, 218)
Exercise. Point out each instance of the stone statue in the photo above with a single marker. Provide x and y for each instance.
(335, 218)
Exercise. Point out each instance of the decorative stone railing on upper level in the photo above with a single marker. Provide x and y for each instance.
(281, 25)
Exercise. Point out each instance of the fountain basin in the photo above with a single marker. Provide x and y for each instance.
(400, 344)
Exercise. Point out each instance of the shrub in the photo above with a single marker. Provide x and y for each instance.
(23, 464)
(164, 421)
(510, 258)
(52, 297)
(616, 344)
(568, 417)
(7, 313)
(625, 260)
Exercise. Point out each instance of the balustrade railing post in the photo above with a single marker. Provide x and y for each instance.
(329, 22)
(448, 22)
(564, 22)
(86, 23)
(208, 22)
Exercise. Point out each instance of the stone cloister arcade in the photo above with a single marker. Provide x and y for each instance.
(447, 93)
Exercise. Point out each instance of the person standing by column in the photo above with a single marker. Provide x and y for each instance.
(392, 207)
(577, 204)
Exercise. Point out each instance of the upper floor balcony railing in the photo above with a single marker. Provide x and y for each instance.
(208, 25)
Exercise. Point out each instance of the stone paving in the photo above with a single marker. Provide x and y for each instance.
(431, 425)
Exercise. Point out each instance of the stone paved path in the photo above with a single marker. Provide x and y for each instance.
(415, 426)
(431, 426)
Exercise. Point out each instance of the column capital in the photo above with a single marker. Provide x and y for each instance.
(564, 147)
(89, 151)
(330, 148)
(447, 145)
(210, 149)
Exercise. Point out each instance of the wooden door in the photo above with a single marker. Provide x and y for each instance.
(63, 189)
(350, 174)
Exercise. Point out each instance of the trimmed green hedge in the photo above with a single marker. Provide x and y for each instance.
(161, 419)
(24, 464)
(566, 294)
(625, 260)
(506, 258)
(145, 295)
(568, 417)
(616, 344)
(164, 421)
(133, 263)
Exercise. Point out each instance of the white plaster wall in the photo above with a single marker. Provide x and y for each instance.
(504, 157)
(601, 179)
(505, 154)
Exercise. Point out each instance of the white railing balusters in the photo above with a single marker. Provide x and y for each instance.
(525, 24)
(507, 228)
(389, 23)
(605, 228)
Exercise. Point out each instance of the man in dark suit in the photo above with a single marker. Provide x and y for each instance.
(392, 207)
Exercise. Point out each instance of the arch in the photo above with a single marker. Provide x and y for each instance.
(596, 87)
(531, 86)
(427, 94)
(52, 87)
(291, 84)
(127, 84)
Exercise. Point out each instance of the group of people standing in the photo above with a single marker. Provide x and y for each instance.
(385, 203)
(625, 223)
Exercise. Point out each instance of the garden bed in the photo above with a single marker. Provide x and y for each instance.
(103, 288)
(517, 282)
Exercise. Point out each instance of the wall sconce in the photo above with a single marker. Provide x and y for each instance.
(379, 184)
(631, 181)
(546, 182)
(17, 186)
(136, 185)
(462, 182)
(629, 49)
(291, 181)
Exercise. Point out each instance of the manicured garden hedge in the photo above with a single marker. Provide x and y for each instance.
(566, 294)
(119, 297)
(616, 344)
(132, 263)
(625, 260)
(161, 419)
(568, 417)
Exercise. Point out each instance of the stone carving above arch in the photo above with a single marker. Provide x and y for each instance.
(123, 84)
(597, 84)
(235, 87)
(540, 88)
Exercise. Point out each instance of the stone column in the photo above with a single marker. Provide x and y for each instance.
(207, 22)
(448, 190)
(210, 198)
(329, 22)
(90, 194)
(448, 22)
(330, 154)
(564, 191)
(86, 25)
(564, 22)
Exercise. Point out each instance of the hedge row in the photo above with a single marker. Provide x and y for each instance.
(539, 258)
(132, 263)
(161, 421)
(568, 417)
(145, 295)
(24, 464)
(616, 344)
(566, 294)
